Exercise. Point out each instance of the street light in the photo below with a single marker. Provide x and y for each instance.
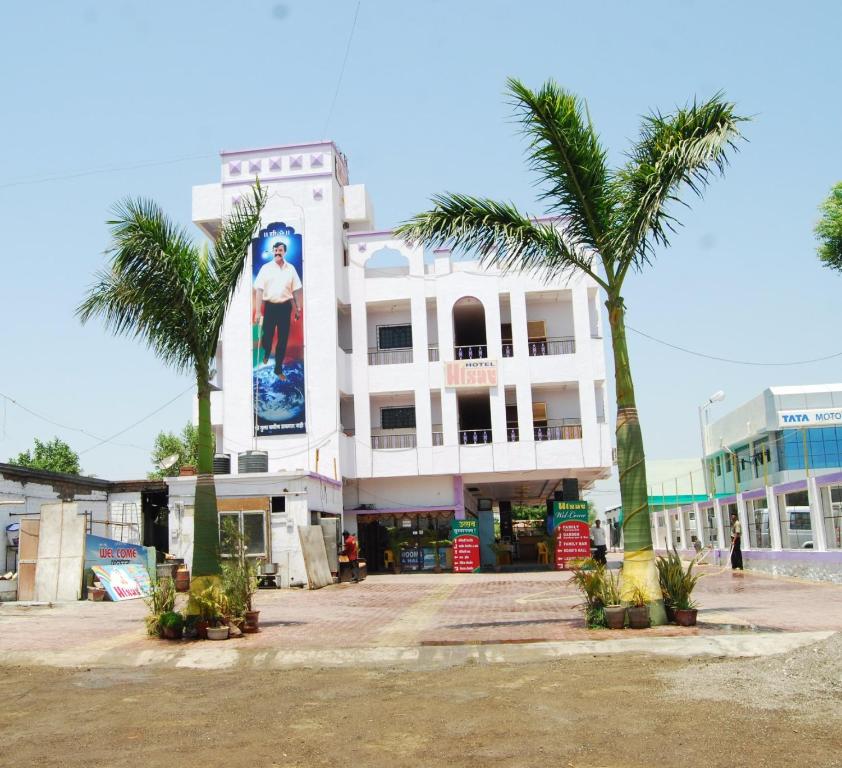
(716, 397)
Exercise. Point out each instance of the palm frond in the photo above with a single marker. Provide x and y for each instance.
(499, 234)
(684, 149)
(565, 151)
(153, 286)
(228, 254)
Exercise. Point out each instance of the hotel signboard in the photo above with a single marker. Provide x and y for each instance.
(460, 374)
(571, 531)
(465, 537)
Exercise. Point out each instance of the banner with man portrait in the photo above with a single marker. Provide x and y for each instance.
(277, 273)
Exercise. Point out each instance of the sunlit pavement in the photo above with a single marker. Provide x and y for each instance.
(425, 610)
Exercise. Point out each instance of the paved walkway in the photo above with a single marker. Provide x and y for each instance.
(392, 617)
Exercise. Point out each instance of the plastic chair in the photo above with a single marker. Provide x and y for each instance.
(543, 553)
(388, 559)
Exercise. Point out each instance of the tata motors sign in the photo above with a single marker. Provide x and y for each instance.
(813, 417)
(470, 373)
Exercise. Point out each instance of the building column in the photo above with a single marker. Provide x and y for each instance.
(743, 518)
(720, 529)
(816, 520)
(668, 530)
(700, 523)
(775, 540)
(682, 529)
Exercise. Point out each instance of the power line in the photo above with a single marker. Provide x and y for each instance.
(97, 171)
(730, 360)
(342, 70)
(139, 421)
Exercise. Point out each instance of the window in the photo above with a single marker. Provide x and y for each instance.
(398, 418)
(796, 525)
(718, 466)
(832, 513)
(394, 337)
(252, 525)
(758, 524)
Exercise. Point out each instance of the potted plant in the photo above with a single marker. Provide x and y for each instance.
(213, 607)
(161, 600)
(613, 609)
(589, 578)
(240, 579)
(172, 624)
(638, 609)
(677, 585)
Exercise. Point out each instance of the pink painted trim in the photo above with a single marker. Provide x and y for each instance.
(459, 497)
(228, 152)
(398, 510)
(325, 479)
(378, 233)
(288, 177)
(795, 485)
(832, 479)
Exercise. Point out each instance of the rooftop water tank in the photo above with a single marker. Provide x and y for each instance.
(222, 464)
(252, 461)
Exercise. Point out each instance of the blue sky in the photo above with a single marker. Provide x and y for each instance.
(128, 85)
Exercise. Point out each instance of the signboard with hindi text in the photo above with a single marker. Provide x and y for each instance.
(571, 531)
(465, 537)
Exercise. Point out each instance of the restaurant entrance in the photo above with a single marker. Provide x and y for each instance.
(408, 542)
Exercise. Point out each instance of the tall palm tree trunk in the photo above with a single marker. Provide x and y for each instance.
(206, 568)
(639, 558)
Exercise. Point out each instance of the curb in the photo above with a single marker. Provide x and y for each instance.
(212, 657)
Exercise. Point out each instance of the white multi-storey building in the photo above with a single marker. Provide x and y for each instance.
(432, 387)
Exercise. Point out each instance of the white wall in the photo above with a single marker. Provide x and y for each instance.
(557, 315)
(376, 316)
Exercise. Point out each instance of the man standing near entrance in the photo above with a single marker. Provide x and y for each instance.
(736, 543)
(277, 290)
(352, 552)
(598, 538)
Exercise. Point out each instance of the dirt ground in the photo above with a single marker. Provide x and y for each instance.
(624, 710)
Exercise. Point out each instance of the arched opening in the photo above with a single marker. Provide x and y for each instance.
(386, 262)
(469, 329)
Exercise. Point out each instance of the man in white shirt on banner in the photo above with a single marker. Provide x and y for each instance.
(277, 291)
(598, 539)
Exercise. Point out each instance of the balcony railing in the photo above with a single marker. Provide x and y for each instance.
(389, 356)
(390, 442)
(475, 436)
(559, 429)
(508, 349)
(512, 434)
(438, 438)
(433, 353)
(564, 346)
(471, 352)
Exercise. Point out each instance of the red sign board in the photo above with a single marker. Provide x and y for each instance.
(572, 533)
(465, 537)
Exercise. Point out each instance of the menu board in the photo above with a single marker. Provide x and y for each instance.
(465, 537)
(572, 533)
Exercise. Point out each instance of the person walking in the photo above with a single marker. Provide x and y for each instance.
(598, 539)
(736, 538)
(277, 290)
(614, 526)
(351, 551)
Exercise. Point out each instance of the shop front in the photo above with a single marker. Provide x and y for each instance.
(406, 541)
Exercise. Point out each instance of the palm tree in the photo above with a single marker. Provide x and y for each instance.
(169, 292)
(609, 222)
(829, 229)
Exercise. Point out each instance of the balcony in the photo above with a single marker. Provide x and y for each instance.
(475, 436)
(438, 438)
(559, 346)
(433, 353)
(470, 352)
(512, 434)
(388, 441)
(559, 429)
(389, 356)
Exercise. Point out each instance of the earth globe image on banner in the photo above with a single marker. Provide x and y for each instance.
(279, 402)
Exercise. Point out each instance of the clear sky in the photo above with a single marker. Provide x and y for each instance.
(156, 89)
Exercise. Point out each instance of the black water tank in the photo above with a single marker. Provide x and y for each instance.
(252, 461)
(222, 463)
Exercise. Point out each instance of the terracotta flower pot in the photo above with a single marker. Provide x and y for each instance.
(171, 633)
(639, 617)
(202, 629)
(670, 613)
(686, 617)
(615, 616)
(252, 618)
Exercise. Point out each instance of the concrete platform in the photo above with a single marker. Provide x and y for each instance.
(430, 620)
